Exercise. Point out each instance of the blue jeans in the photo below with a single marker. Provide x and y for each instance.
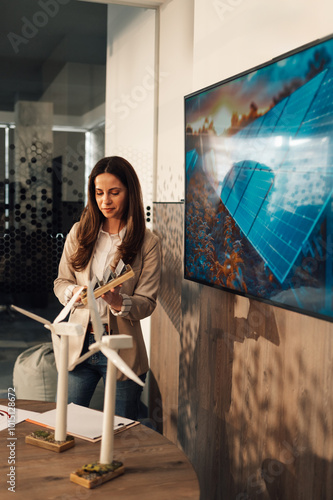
(82, 382)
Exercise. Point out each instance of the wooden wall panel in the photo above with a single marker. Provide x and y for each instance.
(255, 403)
(166, 322)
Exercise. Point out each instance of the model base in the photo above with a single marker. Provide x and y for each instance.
(45, 439)
(95, 474)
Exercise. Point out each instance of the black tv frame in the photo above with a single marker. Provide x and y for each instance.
(297, 284)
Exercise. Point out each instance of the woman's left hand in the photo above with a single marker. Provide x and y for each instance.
(113, 298)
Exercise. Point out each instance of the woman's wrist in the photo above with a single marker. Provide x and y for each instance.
(113, 299)
(116, 302)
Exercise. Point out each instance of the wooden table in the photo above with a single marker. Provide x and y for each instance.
(155, 469)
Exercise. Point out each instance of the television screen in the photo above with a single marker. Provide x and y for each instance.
(259, 179)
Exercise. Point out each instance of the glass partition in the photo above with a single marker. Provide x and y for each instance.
(52, 114)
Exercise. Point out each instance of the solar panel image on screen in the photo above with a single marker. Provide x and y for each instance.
(277, 206)
(283, 226)
(319, 117)
(297, 106)
(191, 160)
(235, 185)
(270, 120)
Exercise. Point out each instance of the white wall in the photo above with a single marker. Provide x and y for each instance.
(130, 100)
(231, 36)
(130, 90)
(175, 59)
(205, 41)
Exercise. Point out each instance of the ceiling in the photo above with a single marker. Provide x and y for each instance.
(38, 40)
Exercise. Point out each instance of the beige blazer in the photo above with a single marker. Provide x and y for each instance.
(142, 289)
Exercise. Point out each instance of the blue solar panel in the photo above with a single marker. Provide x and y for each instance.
(319, 117)
(297, 106)
(191, 159)
(277, 207)
(235, 185)
(285, 227)
(271, 119)
(253, 198)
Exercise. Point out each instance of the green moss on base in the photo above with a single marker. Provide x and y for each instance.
(49, 437)
(95, 469)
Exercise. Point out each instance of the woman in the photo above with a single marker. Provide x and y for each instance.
(112, 227)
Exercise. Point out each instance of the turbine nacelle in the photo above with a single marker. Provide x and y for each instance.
(67, 329)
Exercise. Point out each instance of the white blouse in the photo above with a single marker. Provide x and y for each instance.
(105, 251)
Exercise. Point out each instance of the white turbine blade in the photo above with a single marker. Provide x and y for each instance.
(114, 357)
(32, 315)
(98, 328)
(85, 356)
(63, 313)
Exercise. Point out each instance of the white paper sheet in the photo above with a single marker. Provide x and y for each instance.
(82, 422)
(7, 414)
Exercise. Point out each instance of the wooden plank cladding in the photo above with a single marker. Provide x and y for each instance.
(252, 384)
(167, 323)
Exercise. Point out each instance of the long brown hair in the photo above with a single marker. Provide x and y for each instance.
(92, 218)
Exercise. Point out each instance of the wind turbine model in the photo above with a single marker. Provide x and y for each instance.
(61, 331)
(95, 474)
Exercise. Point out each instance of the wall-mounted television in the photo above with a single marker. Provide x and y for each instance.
(259, 181)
